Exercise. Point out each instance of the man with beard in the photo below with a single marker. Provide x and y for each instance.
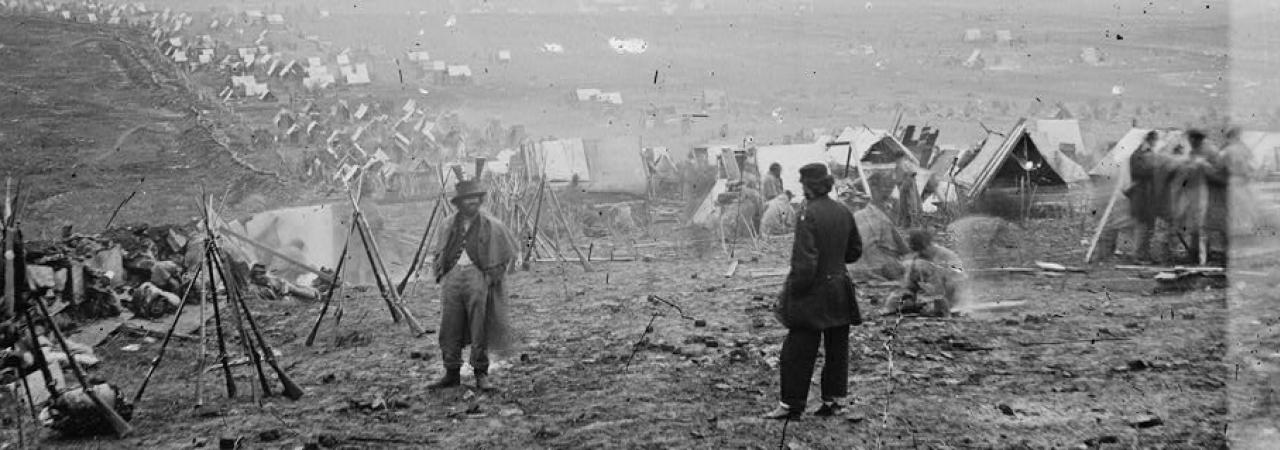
(818, 304)
(471, 262)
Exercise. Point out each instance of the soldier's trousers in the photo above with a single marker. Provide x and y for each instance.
(465, 299)
(800, 352)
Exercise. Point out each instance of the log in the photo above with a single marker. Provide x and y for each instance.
(1055, 267)
(1005, 270)
(1171, 269)
(615, 259)
(775, 272)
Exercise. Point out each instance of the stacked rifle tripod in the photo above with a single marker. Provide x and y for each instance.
(252, 342)
(17, 302)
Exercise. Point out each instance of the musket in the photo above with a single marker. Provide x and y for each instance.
(533, 232)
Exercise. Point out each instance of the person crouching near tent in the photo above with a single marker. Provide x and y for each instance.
(818, 302)
(471, 262)
(934, 279)
(779, 216)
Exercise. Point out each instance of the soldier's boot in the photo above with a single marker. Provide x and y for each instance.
(452, 377)
(482, 380)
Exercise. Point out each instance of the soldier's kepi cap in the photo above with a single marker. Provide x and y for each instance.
(467, 189)
(813, 172)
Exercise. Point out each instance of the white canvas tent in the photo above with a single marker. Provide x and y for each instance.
(613, 98)
(586, 95)
(358, 75)
(792, 158)
(707, 213)
(560, 160)
(459, 71)
(1063, 135)
(617, 165)
(1010, 156)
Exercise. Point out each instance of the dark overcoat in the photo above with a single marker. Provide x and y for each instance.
(818, 293)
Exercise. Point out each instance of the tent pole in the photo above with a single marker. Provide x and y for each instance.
(1106, 215)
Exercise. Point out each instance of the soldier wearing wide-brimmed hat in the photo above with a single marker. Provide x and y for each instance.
(471, 262)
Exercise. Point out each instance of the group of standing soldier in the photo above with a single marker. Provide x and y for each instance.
(1189, 187)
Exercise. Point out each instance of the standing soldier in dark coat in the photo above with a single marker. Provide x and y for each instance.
(1144, 194)
(817, 304)
(471, 263)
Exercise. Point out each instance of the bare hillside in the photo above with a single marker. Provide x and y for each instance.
(91, 114)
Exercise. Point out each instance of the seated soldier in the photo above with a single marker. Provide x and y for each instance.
(779, 216)
(269, 287)
(882, 245)
(934, 279)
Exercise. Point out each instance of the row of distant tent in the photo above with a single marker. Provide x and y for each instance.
(976, 35)
(361, 127)
(588, 95)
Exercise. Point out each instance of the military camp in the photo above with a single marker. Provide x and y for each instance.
(808, 224)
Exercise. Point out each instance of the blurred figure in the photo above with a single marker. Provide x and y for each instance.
(1235, 161)
(1145, 195)
(270, 287)
(779, 216)
(772, 185)
(742, 209)
(934, 279)
(882, 245)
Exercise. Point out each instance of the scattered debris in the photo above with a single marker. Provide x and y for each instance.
(1146, 421)
(270, 435)
(1005, 409)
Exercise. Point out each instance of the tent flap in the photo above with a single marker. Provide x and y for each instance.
(617, 165)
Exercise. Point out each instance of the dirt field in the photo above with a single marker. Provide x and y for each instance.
(926, 382)
(92, 114)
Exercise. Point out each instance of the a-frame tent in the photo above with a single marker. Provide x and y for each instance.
(872, 149)
(1063, 135)
(1004, 162)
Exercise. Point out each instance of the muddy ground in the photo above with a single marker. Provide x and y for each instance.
(1045, 362)
(1042, 363)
